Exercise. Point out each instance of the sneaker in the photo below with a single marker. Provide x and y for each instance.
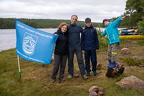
(69, 76)
(85, 77)
(95, 73)
(76, 75)
(53, 80)
(88, 74)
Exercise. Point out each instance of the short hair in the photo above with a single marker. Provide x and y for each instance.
(61, 25)
(74, 15)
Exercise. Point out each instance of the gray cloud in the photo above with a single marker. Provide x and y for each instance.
(62, 9)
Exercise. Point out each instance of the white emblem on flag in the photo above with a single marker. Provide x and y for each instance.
(29, 43)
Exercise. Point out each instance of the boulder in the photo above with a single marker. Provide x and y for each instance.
(131, 82)
(94, 88)
(138, 57)
(100, 91)
(96, 91)
(125, 50)
(116, 71)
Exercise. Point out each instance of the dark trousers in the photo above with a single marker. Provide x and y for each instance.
(78, 53)
(90, 54)
(59, 63)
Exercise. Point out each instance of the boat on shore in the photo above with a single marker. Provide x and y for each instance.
(129, 32)
(132, 37)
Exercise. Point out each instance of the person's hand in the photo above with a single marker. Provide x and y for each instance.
(54, 34)
(123, 17)
(97, 50)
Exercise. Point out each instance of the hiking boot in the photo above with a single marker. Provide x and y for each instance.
(88, 74)
(69, 76)
(62, 80)
(112, 65)
(85, 77)
(53, 80)
(95, 73)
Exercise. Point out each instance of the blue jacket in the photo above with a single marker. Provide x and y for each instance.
(111, 31)
(89, 39)
(74, 39)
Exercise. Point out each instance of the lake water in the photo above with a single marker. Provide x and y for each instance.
(8, 38)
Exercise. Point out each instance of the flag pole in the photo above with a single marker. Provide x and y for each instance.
(19, 73)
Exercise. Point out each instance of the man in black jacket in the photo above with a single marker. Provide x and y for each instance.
(74, 43)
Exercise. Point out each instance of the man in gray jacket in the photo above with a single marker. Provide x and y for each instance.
(74, 43)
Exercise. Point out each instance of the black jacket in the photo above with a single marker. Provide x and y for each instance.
(61, 47)
(90, 39)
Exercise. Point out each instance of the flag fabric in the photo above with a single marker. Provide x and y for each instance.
(33, 44)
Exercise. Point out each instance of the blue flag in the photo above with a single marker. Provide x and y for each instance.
(33, 44)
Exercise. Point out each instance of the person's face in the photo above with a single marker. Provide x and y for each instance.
(73, 19)
(64, 28)
(88, 24)
(106, 23)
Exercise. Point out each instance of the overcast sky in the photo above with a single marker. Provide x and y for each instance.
(97, 10)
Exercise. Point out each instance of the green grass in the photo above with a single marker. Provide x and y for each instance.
(141, 43)
(134, 62)
(36, 79)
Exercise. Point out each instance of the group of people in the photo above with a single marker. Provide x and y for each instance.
(73, 39)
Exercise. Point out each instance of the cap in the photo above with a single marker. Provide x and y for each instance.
(87, 20)
(105, 20)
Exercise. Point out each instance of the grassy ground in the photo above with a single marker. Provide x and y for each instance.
(36, 79)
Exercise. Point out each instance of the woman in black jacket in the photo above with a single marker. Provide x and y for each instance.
(60, 52)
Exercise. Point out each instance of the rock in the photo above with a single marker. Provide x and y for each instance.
(116, 71)
(96, 91)
(125, 50)
(92, 94)
(94, 88)
(131, 82)
(134, 41)
(138, 57)
(101, 91)
(110, 72)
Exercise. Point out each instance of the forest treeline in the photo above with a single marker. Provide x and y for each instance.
(9, 23)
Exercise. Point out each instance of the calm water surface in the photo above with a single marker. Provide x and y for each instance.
(8, 38)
